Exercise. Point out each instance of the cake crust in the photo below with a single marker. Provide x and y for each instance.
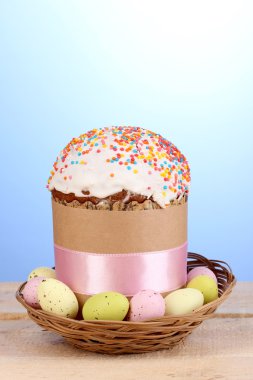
(121, 201)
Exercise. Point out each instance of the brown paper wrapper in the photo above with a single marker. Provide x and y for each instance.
(101, 231)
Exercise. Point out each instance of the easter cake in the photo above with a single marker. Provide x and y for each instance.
(123, 281)
(115, 170)
(120, 168)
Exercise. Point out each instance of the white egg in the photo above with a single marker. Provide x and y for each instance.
(183, 301)
(42, 272)
(56, 297)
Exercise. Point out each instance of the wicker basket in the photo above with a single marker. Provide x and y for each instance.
(113, 337)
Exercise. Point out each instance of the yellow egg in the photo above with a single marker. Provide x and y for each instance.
(183, 301)
(42, 272)
(57, 298)
(206, 285)
(106, 306)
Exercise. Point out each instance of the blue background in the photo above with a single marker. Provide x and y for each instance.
(182, 69)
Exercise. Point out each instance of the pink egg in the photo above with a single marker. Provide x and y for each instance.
(200, 271)
(146, 304)
(30, 292)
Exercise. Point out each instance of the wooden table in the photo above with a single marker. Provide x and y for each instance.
(221, 348)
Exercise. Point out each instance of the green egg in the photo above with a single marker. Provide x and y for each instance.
(106, 306)
(57, 298)
(206, 285)
(42, 272)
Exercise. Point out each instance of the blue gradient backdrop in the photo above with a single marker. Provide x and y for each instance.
(182, 69)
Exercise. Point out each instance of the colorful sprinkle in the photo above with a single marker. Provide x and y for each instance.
(152, 158)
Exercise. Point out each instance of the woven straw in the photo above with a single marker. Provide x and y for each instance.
(113, 337)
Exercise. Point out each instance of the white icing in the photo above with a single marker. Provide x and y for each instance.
(94, 175)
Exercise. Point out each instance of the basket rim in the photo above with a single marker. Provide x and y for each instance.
(152, 322)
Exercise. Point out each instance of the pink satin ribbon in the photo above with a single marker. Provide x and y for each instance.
(127, 273)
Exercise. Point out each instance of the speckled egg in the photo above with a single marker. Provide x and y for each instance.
(30, 292)
(198, 271)
(183, 301)
(106, 306)
(147, 304)
(56, 297)
(206, 285)
(42, 272)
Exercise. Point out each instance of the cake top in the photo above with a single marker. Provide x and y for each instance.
(104, 161)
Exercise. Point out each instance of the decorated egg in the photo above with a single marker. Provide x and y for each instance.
(106, 306)
(30, 291)
(206, 285)
(183, 301)
(42, 272)
(56, 297)
(200, 271)
(147, 304)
